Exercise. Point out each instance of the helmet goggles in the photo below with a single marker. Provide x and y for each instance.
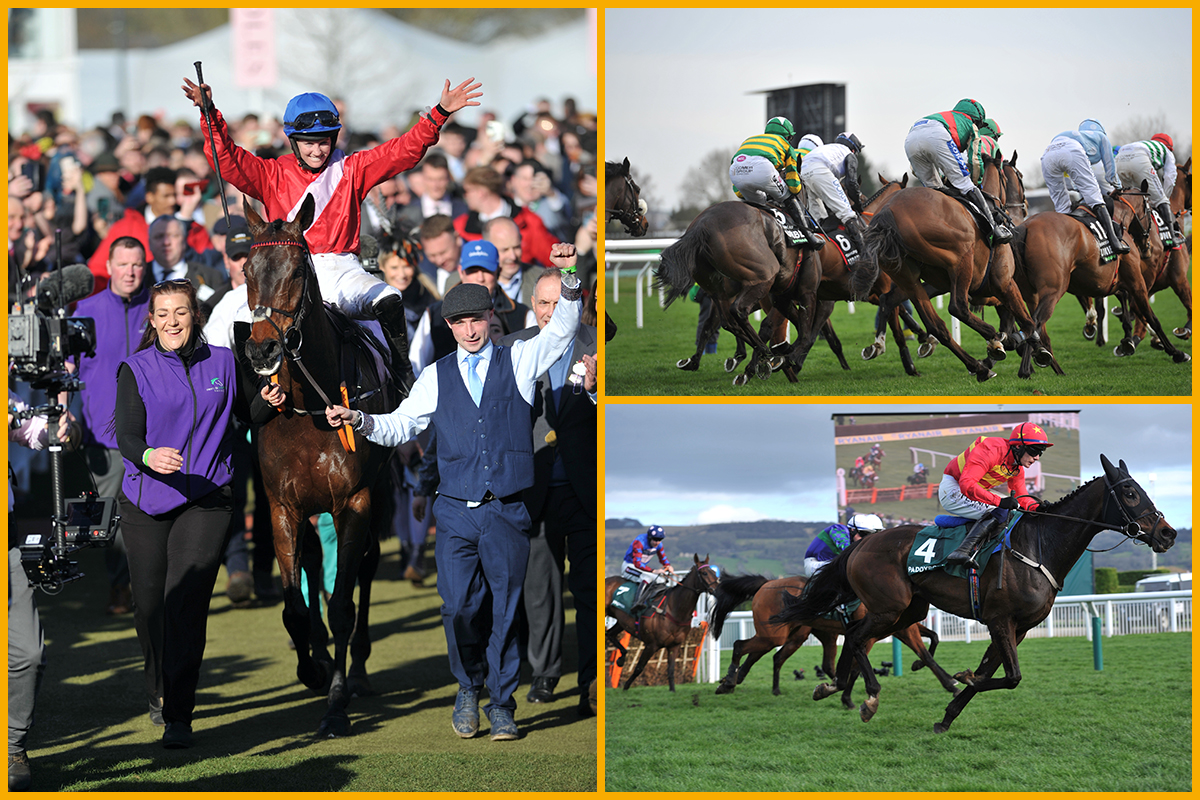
(312, 119)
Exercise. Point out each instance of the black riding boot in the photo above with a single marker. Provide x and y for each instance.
(390, 313)
(1000, 233)
(854, 234)
(1118, 245)
(1164, 211)
(792, 204)
(964, 556)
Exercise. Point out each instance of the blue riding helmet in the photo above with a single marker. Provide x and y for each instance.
(1092, 125)
(656, 532)
(311, 115)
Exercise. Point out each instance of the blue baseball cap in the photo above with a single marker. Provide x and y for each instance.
(480, 253)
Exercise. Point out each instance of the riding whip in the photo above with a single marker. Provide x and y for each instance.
(212, 142)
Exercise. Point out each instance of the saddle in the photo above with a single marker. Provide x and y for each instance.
(1087, 218)
(835, 231)
(364, 359)
(793, 235)
(933, 544)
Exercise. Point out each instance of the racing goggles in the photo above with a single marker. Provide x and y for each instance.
(1035, 449)
(311, 119)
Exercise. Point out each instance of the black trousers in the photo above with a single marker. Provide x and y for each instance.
(173, 563)
(564, 531)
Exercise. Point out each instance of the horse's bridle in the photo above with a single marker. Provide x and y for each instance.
(1131, 528)
(629, 217)
(1024, 204)
(261, 313)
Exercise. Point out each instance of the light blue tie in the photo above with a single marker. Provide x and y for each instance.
(473, 383)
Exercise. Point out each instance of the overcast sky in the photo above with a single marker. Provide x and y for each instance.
(680, 83)
(692, 464)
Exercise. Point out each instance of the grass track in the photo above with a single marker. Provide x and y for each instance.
(641, 362)
(1066, 727)
(255, 723)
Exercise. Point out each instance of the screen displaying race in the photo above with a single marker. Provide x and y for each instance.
(891, 464)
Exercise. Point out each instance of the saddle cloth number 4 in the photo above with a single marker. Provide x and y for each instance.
(927, 551)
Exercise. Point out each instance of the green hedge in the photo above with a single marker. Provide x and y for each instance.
(1106, 580)
(1132, 576)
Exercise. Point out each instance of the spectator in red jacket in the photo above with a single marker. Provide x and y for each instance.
(160, 200)
(483, 190)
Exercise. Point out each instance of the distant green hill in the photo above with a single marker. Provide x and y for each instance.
(776, 548)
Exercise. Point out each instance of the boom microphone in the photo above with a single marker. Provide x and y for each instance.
(64, 286)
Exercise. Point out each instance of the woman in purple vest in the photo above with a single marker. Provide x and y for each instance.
(175, 399)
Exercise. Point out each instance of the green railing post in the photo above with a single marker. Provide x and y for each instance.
(1097, 645)
(897, 662)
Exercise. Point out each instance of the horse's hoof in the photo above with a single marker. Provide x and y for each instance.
(776, 363)
(1181, 357)
(1115, 311)
(1156, 343)
(725, 688)
(940, 727)
(869, 707)
(1182, 333)
(740, 380)
(775, 691)
(997, 353)
(620, 661)
(918, 665)
(1125, 348)
(763, 370)
(966, 676)
(823, 690)
(317, 677)
(1089, 332)
(359, 685)
(334, 726)
(1043, 358)
(926, 348)
(984, 374)
(869, 353)
(688, 364)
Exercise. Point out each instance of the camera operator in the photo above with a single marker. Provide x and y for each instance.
(26, 644)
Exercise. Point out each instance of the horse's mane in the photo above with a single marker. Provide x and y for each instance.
(878, 192)
(1057, 504)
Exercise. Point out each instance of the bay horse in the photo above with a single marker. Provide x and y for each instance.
(1015, 593)
(738, 253)
(668, 626)
(1056, 254)
(307, 466)
(767, 598)
(929, 243)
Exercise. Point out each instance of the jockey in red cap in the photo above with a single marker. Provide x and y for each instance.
(967, 484)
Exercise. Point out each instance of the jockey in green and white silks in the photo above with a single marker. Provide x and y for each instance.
(1154, 162)
(935, 145)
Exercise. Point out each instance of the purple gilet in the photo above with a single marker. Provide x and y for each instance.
(188, 407)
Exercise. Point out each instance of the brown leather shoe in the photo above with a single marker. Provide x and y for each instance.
(411, 574)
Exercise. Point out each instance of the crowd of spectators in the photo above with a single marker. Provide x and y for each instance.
(110, 181)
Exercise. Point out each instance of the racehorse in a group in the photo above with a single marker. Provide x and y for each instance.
(1017, 587)
(928, 243)
(622, 202)
(739, 254)
(307, 466)
(1163, 268)
(1056, 254)
(666, 624)
(767, 597)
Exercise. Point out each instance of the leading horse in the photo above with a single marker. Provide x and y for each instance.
(667, 625)
(1044, 545)
(622, 202)
(307, 466)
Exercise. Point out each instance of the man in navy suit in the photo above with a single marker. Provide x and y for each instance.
(562, 504)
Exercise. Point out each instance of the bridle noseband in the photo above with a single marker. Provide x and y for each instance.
(629, 217)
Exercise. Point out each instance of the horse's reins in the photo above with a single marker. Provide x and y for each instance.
(262, 313)
(681, 585)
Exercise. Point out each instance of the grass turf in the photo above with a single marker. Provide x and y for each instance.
(641, 362)
(1066, 727)
(255, 724)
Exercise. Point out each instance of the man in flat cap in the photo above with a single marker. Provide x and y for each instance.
(480, 398)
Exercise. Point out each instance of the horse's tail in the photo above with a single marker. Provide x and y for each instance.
(1020, 238)
(731, 592)
(824, 592)
(881, 241)
(677, 266)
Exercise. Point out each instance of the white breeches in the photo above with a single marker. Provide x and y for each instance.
(933, 155)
